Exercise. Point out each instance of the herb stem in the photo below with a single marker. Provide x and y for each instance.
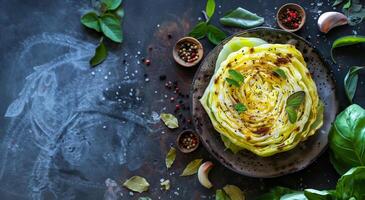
(205, 16)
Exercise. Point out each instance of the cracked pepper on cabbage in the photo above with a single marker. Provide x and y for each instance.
(264, 127)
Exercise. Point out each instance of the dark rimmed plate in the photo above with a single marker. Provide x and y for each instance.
(245, 162)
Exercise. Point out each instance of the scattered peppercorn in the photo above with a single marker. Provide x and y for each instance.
(290, 18)
(188, 52)
(147, 61)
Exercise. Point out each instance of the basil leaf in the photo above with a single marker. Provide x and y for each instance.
(111, 4)
(165, 184)
(275, 193)
(234, 192)
(241, 18)
(346, 41)
(232, 82)
(199, 31)
(169, 120)
(90, 20)
(229, 145)
(346, 139)
(337, 2)
(210, 8)
(294, 196)
(170, 157)
(120, 13)
(347, 5)
(350, 82)
(100, 54)
(215, 35)
(292, 114)
(192, 167)
(351, 185)
(110, 26)
(295, 99)
(235, 75)
(221, 195)
(280, 73)
(137, 184)
(240, 108)
(320, 195)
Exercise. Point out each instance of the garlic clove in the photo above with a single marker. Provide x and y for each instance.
(203, 174)
(329, 20)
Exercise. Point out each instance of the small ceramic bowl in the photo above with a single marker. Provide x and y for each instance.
(186, 135)
(293, 6)
(179, 60)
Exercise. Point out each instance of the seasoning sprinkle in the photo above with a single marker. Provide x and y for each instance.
(188, 52)
(291, 18)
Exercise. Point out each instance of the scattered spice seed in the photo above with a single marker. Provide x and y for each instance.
(147, 61)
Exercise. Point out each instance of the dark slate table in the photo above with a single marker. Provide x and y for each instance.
(66, 129)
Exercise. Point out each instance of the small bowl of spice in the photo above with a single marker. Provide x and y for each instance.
(291, 17)
(187, 141)
(188, 52)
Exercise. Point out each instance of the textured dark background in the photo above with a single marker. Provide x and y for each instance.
(65, 128)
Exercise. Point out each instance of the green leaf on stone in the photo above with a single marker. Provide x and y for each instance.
(199, 31)
(210, 8)
(100, 54)
(170, 157)
(350, 82)
(111, 4)
(215, 35)
(90, 20)
(241, 18)
(192, 167)
(137, 184)
(111, 27)
(169, 120)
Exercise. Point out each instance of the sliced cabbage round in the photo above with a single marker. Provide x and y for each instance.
(264, 128)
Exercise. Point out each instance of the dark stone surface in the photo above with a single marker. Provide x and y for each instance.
(65, 128)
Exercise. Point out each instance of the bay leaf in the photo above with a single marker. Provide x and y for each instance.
(137, 184)
(169, 120)
(170, 157)
(192, 167)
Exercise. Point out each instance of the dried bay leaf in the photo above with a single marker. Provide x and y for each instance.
(192, 167)
(169, 120)
(137, 184)
(170, 157)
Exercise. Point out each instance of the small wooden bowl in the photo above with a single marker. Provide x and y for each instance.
(184, 134)
(181, 61)
(293, 6)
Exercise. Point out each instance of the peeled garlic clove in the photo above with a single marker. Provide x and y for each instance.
(329, 20)
(203, 172)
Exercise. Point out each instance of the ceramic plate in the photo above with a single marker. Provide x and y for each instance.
(245, 162)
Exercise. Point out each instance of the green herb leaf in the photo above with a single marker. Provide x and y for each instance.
(350, 82)
(235, 75)
(292, 114)
(192, 167)
(280, 73)
(100, 54)
(232, 82)
(111, 4)
(319, 195)
(240, 108)
(120, 13)
(221, 195)
(90, 20)
(337, 2)
(347, 5)
(295, 99)
(346, 41)
(241, 18)
(110, 26)
(169, 120)
(144, 198)
(199, 31)
(276, 193)
(137, 184)
(234, 192)
(229, 145)
(346, 139)
(215, 35)
(351, 185)
(165, 184)
(294, 196)
(210, 8)
(292, 104)
(170, 157)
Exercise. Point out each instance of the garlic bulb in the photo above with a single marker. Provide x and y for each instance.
(329, 20)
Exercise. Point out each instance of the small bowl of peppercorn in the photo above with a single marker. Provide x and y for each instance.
(188, 52)
(187, 141)
(291, 17)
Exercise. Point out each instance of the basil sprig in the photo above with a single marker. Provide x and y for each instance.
(108, 22)
(292, 104)
(353, 9)
(240, 108)
(202, 29)
(350, 82)
(235, 78)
